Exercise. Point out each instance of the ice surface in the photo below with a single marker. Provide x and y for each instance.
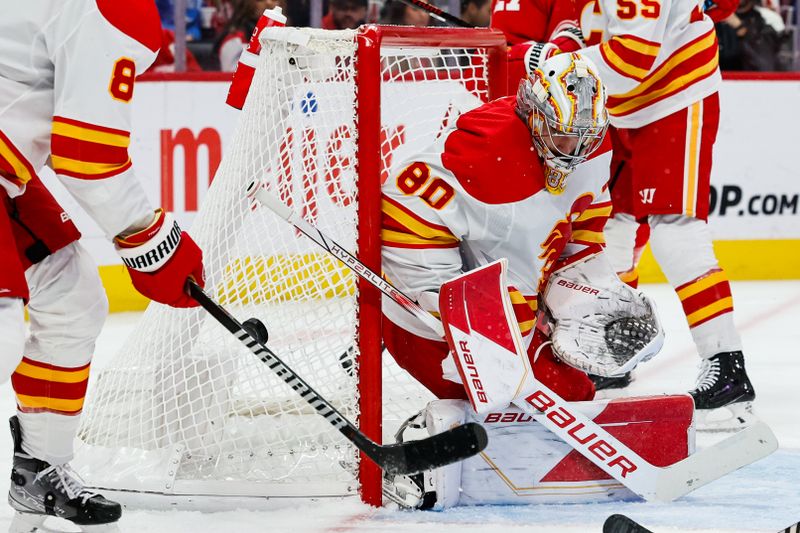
(762, 497)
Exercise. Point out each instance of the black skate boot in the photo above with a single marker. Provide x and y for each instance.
(39, 490)
(723, 396)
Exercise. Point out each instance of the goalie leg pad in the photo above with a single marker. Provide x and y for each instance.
(484, 337)
(526, 464)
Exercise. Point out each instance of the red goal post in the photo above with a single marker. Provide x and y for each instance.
(370, 41)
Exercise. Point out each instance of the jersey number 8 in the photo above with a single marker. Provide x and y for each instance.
(416, 177)
(121, 86)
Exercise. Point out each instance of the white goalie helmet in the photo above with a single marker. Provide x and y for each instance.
(564, 104)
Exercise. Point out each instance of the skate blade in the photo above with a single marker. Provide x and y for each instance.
(35, 523)
(731, 417)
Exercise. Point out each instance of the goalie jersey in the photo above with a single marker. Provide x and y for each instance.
(478, 194)
(67, 74)
(655, 56)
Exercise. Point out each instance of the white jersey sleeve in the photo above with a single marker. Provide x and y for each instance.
(654, 56)
(68, 98)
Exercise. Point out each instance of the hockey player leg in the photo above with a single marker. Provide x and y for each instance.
(67, 309)
(723, 393)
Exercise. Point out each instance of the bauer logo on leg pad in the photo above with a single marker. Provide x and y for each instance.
(565, 420)
(484, 336)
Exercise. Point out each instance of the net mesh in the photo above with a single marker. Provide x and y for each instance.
(184, 406)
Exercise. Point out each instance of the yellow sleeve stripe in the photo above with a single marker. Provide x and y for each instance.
(702, 284)
(47, 374)
(525, 327)
(517, 297)
(20, 169)
(639, 97)
(390, 237)
(56, 404)
(85, 167)
(90, 135)
(621, 66)
(722, 304)
(588, 236)
(417, 225)
(594, 212)
(641, 47)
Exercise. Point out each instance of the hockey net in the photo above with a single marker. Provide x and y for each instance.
(184, 409)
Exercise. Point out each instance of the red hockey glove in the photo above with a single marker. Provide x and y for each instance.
(160, 258)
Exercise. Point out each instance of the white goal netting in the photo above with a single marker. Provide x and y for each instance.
(184, 408)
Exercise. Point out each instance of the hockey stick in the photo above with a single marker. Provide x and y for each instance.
(405, 458)
(617, 523)
(553, 412)
(267, 199)
(438, 13)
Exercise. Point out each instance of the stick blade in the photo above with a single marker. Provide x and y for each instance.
(438, 450)
(743, 448)
(617, 523)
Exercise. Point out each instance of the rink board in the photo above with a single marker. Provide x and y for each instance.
(756, 196)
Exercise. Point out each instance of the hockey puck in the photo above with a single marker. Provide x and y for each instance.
(256, 329)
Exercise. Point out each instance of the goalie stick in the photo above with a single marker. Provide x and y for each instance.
(617, 523)
(405, 458)
(645, 479)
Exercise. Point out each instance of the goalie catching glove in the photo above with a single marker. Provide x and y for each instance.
(601, 325)
(160, 258)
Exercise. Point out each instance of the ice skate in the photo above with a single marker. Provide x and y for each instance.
(40, 490)
(723, 396)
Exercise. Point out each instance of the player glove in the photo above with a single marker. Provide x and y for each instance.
(160, 258)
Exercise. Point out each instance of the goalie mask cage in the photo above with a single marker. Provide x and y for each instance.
(184, 410)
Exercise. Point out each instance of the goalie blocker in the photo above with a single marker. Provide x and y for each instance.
(525, 463)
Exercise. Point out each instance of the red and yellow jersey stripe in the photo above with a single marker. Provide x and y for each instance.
(41, 387)
(630, 56)
(13, 165)
(87, 151)
(587, 229)
(402, 228)
(693, 62)
(525, 308)
(706, 297)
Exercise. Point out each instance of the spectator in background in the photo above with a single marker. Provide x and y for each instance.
(398, 13)
(345, 14)
(166, 9)
(476, 12)
(165, 61)
(235, 36)
(754, 38)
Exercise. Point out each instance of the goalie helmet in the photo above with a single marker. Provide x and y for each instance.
(564, 104)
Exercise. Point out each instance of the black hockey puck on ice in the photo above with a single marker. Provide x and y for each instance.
(256, 329)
